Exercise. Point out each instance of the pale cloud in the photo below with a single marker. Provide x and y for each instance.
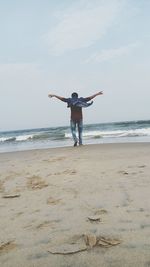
(109, 54)
(19, 76)
(82, 25)
(15, 67)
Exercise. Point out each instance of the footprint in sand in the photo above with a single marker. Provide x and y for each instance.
(39, 226)
(54, 159)
(101, 211)
(123, 172)
(141, 166)
(53, 201)
(19, 213)
(43, 225)
(70, 172)
(36, 182)
(5, 247)
(50, 224)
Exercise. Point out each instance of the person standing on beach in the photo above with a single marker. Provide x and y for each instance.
(76, 104)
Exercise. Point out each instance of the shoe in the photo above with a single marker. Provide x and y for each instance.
(75, 144)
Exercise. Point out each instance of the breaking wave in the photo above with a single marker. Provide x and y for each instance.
(115, 133)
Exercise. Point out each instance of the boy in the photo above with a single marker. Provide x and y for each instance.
(76, 104)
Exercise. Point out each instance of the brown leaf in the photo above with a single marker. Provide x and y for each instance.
(67, 249)
(90, 240)
(94, 218)
(11, 196)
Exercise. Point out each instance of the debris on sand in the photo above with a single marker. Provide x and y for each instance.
(11, 196)
(82, 243)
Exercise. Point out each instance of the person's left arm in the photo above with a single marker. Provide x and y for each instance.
(93, 96)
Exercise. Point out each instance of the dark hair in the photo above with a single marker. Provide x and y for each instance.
(74, 95)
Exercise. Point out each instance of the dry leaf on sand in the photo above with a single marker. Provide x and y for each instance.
(107, 242)
(94, 218)
(90, 240)
(67, 249)
(82, 243)
(11, 196)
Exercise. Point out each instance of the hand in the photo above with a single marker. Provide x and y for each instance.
(100, 93)
(51, 95)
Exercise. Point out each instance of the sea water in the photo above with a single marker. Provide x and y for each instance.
(117, 132)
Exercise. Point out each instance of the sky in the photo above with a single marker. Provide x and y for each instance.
(64, 46)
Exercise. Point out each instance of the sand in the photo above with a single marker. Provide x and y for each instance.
(76, 207)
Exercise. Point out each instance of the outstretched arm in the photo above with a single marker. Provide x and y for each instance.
(93, 96)
(56, 96)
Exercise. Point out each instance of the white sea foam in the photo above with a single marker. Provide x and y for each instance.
(6, 139)
(115, 133)
(24, 137)
(136, 132)
(16, 138)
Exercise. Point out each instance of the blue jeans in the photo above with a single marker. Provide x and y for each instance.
(73, 125)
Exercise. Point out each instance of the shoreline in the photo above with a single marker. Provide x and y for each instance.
(113, 144)
(52, 198)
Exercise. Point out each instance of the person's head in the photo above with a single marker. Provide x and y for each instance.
(74, 95)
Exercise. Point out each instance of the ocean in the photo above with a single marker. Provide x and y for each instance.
(116, 132)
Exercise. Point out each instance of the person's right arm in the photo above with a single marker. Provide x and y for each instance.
(58, 97)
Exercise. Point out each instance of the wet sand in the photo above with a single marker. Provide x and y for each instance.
(76, 207)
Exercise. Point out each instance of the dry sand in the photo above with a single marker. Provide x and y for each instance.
(89, 205)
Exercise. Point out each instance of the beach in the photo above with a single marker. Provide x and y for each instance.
(76, 207)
